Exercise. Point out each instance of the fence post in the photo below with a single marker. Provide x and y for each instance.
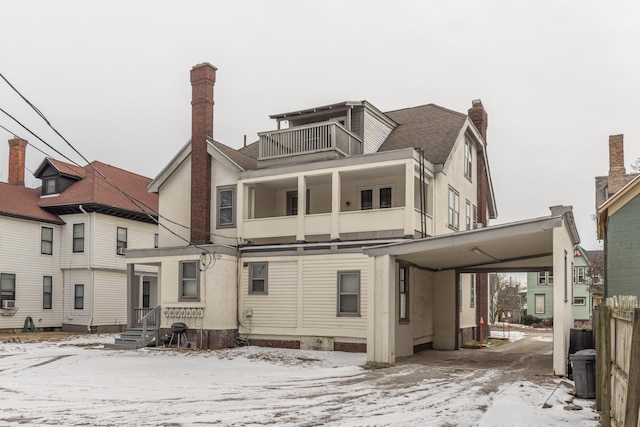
(603, 364)
(633, 390)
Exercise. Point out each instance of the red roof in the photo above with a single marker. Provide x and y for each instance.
(22, 202)
(94, 188)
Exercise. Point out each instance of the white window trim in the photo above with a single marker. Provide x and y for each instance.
(536, 308)
(234, 205)
(181, 296)
(468, 159)
(453, 217)
(339, 294)
(265, 278)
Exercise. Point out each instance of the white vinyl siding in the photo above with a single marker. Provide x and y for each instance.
(279, 308)
(22, 239)
(320, 294)
(110, 299)
(375, 132)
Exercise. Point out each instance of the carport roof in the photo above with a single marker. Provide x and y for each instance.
(519, 246)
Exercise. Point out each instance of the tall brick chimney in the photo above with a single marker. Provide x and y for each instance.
(479, 117)
(17, 150)
(617, 173)
(203, 78)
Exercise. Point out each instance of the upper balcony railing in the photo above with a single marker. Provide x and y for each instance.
(311, 138)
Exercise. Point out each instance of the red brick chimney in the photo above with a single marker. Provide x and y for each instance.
(479, 117)
(617, 173)
(203, 78)
(17, 150)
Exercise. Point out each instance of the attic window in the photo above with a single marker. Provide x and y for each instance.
(49, 186)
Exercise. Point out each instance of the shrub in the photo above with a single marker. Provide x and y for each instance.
(529, 320)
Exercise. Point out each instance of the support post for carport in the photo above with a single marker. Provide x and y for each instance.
(130, 288)
(381, 310)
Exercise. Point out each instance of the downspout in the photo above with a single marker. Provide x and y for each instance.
(89, 265)
(458, 311)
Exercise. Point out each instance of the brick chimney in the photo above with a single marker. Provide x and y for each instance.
(17, 150)
(479, 117)
(617, 173)
(203, 78)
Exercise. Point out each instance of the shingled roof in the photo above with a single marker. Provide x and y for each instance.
(94, 191)
(22, 202)
(430, 127)
(602, 182)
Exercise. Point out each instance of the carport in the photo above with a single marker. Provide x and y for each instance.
(531, 245)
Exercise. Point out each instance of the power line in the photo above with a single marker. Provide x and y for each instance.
(139, 204)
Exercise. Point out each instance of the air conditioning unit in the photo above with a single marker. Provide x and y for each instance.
(121, 251)
(8, 304)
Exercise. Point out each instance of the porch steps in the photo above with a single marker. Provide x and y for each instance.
(132, 338)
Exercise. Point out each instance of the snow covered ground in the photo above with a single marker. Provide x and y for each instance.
(77, 382)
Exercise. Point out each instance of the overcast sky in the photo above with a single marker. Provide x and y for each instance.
(556, 78)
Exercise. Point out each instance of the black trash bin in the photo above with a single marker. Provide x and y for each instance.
(583, 363)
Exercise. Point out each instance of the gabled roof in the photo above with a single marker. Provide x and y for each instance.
(62, 168)
(621, 198)
(430, 127)
(602, 182)
(22, 202)
(94, 190)
(237, 158)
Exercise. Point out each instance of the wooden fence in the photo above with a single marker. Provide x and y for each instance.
(617, 333)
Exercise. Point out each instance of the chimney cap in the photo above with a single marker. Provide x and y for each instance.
(476, 103)
(203, 64)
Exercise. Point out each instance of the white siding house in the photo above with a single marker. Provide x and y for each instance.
(62, 245)
(290, 215)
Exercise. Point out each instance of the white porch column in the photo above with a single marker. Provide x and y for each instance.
(242, 200)
(131, 276)
(409, 199)
(335, 205)
(381, 310)
(302, 211)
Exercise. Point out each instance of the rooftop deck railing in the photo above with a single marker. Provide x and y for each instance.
(311, 138)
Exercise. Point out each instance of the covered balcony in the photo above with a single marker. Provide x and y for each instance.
(374, 202)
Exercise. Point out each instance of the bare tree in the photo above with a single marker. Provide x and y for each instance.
(504, 296)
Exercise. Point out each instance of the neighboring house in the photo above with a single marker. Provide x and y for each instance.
(62, 245)
(289, 215)
(619, 227)
(540, 294)
(585, 290)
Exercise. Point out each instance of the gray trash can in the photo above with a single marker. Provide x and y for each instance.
(583, 363)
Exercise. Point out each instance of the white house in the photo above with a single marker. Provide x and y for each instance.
(300, 239)
(287, 218)
(62, 245)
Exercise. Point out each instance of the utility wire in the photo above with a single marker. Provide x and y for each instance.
(133, 200)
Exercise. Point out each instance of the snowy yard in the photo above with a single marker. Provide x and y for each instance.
(76, 382)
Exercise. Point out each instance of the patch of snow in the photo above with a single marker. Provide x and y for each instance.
(75, 382)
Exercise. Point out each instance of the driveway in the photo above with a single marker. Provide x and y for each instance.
(76, 382)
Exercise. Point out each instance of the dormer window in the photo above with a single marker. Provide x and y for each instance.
(49, 186)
